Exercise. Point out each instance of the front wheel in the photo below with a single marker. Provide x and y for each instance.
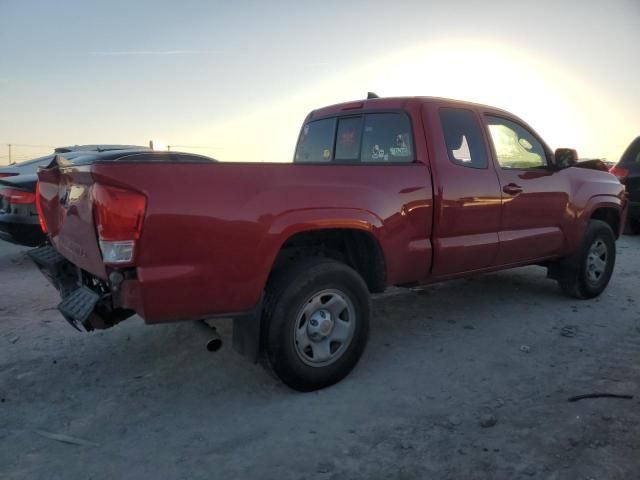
(587, 273)
(317, 321)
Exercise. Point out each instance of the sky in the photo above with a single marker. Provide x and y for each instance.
(234, 80)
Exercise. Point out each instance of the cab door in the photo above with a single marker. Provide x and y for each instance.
(468, 199)
(535, 198)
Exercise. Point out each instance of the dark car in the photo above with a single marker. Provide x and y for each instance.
(28, 167)
(31, 166)
(18, 214)
(628, 171)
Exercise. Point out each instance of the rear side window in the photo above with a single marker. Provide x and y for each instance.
(316, 141)
(348, 139)
(463, 138)
(387, 138)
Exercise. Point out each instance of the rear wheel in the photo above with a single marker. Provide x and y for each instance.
(587, 273)
(317, 322)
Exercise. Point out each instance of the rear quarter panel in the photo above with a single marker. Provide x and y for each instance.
(212, 232)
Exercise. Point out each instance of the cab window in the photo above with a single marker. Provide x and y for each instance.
(316, 141)
(515, 146)
(348, 139)
(387, 138)
(383, 137)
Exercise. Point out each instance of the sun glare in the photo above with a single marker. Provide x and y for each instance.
(558, 103)
(158, 145)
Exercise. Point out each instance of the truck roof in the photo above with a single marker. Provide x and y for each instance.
(391, 103)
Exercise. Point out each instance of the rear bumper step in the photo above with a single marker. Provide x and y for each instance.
(47, 257)
(58, 270)
(77, 307)
(83, 307)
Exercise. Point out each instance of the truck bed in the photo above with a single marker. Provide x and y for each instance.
(214, 229)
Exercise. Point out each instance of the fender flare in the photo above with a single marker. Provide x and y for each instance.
(298, 221)
(601, 201)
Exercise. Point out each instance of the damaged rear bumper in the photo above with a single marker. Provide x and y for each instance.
(85, 305)
(90, 303)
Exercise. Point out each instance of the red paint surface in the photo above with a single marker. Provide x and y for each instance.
(212, 231)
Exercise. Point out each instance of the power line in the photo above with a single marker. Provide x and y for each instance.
(28, 145)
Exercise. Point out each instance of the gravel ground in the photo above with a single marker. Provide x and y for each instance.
(467, 379)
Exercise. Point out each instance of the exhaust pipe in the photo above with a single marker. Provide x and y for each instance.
(215, 342)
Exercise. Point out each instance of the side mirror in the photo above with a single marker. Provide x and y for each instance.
(565, 158)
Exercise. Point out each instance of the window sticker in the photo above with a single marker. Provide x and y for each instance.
(326, 154)
(401, 149)
(306, 129)
(347, 138)
(377, 153)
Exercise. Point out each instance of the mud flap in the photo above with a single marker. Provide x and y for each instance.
(247, 334)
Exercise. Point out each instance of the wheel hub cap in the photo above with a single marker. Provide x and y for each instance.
(597, 261)
(320, 325)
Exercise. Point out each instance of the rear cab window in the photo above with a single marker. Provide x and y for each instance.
(387, 138)
(348, 139)
(316, 141)
(381, 137)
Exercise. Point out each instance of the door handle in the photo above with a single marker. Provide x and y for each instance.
(512, 189)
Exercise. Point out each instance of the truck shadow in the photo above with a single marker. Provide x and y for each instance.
(173, 358)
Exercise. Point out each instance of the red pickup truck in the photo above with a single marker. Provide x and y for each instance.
(384, 191)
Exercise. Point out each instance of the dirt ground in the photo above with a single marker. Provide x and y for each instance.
(463, 380)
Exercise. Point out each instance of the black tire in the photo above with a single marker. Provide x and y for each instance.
(574, 277)
(288, 293)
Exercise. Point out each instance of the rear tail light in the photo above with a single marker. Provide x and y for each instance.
(118, 215)
(619, 172)
(43, 225)
(18, 197)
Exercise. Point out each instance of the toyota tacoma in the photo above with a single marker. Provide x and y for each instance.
(382, 191)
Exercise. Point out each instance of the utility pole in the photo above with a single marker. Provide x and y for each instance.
(10, 162)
